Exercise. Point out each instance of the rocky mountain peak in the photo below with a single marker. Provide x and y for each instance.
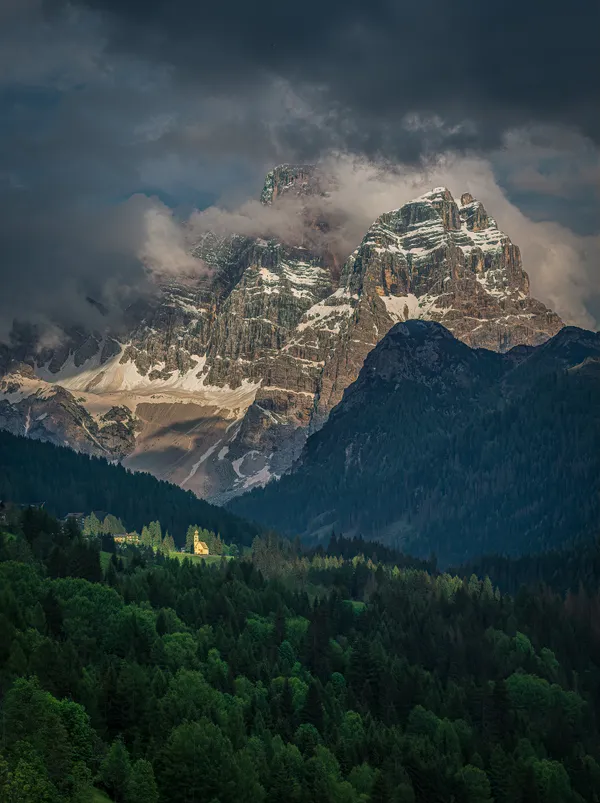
(444, 204)
(296, 180)
(416, 351)
(473, 214)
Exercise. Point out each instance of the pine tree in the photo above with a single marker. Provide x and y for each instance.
(500, 710)
(111, 576)
(287, 714)
(529, 788)
(500, 773)
(112, 525)
(115, 770)
(380, 792)
(71, 529)
(312, 713)
(146, 538)
(141, 786)
(155, 533)
(91, 525)
(189, 537)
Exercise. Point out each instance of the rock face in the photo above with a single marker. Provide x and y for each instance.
(225, 378)
(51, 413)
(299, 180)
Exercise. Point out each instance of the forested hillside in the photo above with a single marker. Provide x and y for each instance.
(286, 676)
(32, 472)
(576, 568)
(441, 448)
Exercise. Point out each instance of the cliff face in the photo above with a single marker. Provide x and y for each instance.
(224, 378)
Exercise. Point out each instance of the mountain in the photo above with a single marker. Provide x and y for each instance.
(441, 447)
(216, 384)
(35, 473)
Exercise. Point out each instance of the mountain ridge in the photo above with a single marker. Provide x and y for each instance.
(224, 379)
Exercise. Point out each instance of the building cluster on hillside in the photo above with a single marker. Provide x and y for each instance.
(127, 538)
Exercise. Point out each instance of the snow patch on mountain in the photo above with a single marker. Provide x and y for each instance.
(261, 478)
(325, 316)
(403, 308)
(197, 465)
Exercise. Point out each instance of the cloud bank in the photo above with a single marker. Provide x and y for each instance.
(375, 63)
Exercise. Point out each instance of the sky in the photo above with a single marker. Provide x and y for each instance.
(122, 119)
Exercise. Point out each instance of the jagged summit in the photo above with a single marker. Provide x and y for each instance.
(433, 259)
(305, 179)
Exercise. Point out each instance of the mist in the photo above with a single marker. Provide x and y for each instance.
(562, 265)
(124, 252)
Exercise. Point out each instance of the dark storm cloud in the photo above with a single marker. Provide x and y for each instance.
(498, 64)
(79, 134)
(193, 103)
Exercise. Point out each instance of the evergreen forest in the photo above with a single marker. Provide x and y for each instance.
(344, 674)
(64, 482)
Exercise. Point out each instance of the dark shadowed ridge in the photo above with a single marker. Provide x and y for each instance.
(463, 451)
